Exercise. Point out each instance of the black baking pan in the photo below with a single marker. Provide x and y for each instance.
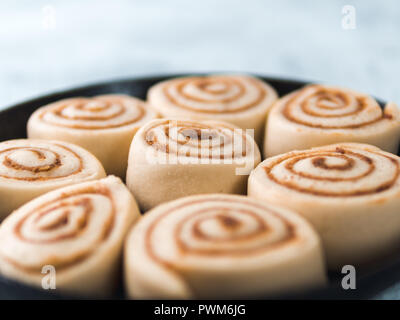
(371, 279)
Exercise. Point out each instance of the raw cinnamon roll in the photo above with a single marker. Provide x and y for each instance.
(319, 115)
(77, 230)
(350, 192)
(220, 246)
(29, 168)
(104, 125)
(170, 159)
(241, 100)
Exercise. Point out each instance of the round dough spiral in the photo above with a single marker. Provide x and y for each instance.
(78, 230)
(319, 115)
(170, 159)
(220, 246)
(349, 192)
(29, 168)
(241, 100)
(104, 125)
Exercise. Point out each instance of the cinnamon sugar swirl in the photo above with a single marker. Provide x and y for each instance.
(241, 100)
(350, 192)
(77, 230)
(29, 168)
(170, 159)
(104, 125)
(319, 115)
(220, 246)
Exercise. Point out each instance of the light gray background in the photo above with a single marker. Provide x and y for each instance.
(50, 45)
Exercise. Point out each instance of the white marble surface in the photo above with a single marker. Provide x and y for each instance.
(50, 45)
(100, 40)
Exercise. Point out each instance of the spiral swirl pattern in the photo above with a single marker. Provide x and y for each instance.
(238, 99)
(218, 226)
(41, 161)
(349, 192)
(78, 230)
(325, 107)
(198, 139)
(216, 94)
(100, 112)
(202, 242)
(62, 232)
(341, 170)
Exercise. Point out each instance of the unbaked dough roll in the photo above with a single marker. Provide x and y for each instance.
(238, 99)
(29, 168)
(170, 159)
(104, 125)
(318, 115)
(221, 246)
(350, 193)
(77, 230)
